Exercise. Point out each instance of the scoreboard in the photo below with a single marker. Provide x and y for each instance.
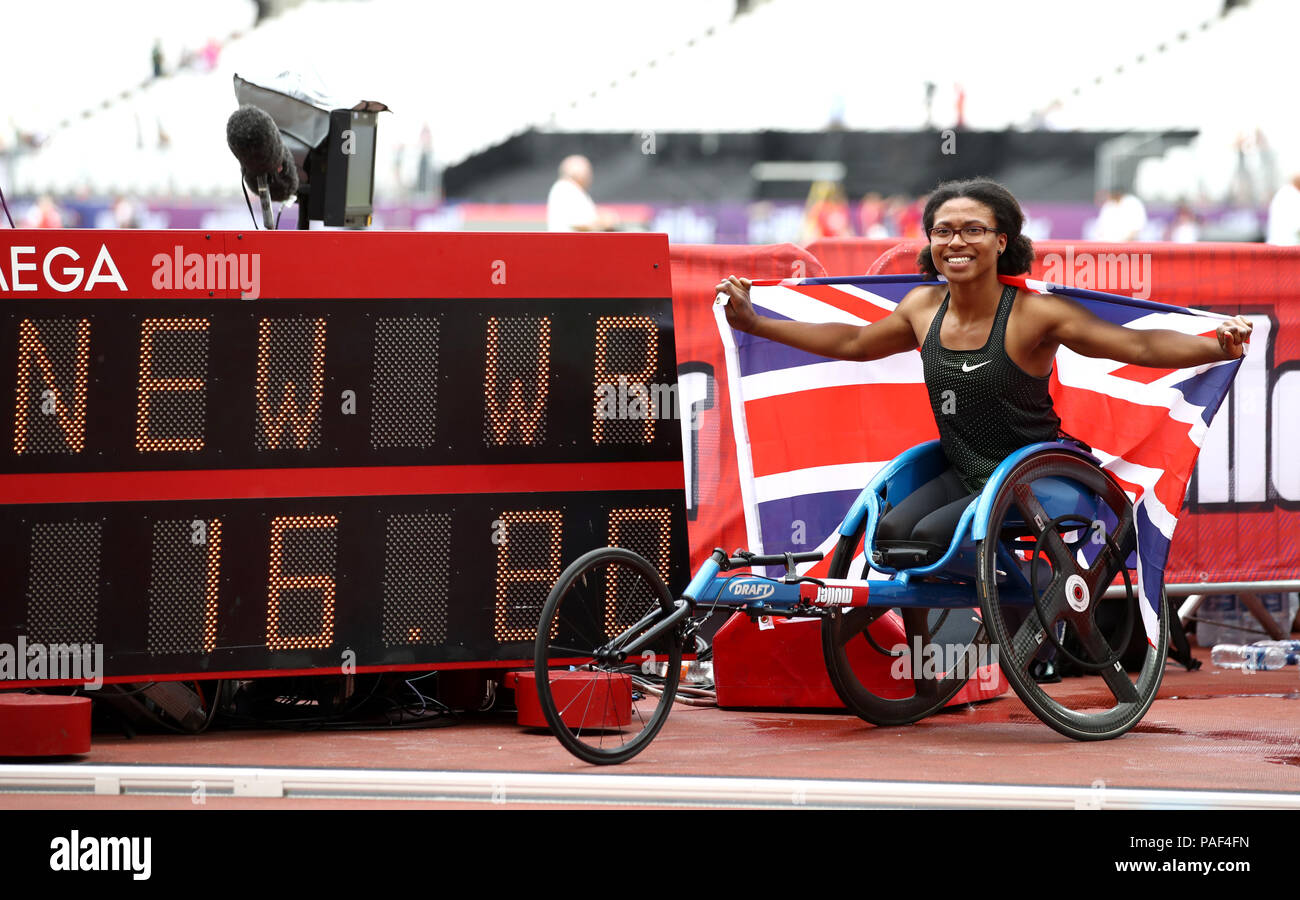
(274, 453)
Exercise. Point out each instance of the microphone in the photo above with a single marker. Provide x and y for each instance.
(267, 164)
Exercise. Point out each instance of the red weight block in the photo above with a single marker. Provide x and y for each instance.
(40, 725)
(585, 699)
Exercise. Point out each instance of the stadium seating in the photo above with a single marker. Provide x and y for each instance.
(479, 73)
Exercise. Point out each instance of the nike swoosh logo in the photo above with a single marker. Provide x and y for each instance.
(965, 367)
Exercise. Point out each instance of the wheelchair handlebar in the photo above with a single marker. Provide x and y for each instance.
(744, 559)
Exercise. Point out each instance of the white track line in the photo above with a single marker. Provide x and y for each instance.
(605, 789)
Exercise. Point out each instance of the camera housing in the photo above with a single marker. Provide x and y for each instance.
(333, 144)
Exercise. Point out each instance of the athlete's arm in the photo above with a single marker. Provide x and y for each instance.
(838, 340)
(1086, 334)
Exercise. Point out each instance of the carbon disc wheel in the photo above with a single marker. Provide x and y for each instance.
(1059, 533)
(603, 702)
(923, 675)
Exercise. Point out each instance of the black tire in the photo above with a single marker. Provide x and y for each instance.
(599, 596)
(846, 633)
(1020, 631)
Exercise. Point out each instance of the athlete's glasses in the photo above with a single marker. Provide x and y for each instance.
(970, 233)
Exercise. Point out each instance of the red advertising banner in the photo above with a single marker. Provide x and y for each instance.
(850, 256)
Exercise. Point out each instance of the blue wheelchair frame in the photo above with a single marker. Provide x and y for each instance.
(1049, 488)
(952, 576)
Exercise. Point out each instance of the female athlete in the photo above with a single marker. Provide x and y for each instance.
(986, 349)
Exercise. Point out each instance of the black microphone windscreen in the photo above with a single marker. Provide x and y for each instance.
(284, 183)
(253, 138)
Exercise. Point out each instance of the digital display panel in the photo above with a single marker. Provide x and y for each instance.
(148, 385)
(219, 586)
(206, 485)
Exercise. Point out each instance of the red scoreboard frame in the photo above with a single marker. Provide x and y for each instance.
(271, 453)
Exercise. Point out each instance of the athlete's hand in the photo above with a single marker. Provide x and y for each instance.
(1233, 334)
(740, 313)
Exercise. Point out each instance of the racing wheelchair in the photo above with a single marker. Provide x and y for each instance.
(1036, 552)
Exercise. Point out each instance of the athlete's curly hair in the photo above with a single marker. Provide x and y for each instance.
(1007, 215)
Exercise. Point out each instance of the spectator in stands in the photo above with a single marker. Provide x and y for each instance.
(826, 212)
(910, 224)
(424, 174)
(1185, 228)
(125, 214)
(6, 176)
(1046, 119)
(1121, 218)
(895, 206)
(871, 214)
(45, 214)
(1284, 214)
(399, 176)
(211, 54)
(568, 206)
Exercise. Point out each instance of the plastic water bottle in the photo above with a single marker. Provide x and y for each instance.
(1290, 648)
(1248, 659)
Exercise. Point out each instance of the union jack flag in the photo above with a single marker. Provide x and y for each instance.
(812, 431)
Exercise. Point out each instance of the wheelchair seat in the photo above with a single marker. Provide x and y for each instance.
(915, 467)
(905, 554)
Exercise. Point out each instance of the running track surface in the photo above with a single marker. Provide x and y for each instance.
(1208, 731)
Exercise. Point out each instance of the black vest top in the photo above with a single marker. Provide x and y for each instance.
(985, 405)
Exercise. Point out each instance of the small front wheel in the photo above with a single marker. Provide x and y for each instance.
(603, 696)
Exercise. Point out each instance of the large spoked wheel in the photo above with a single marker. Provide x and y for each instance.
(603, 696)
(1060, 532)
(881, 681)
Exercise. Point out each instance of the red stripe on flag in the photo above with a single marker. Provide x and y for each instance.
(1145, 375)
(842, 300)
(1142, 435)
(837, 425)
(1141, 374)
